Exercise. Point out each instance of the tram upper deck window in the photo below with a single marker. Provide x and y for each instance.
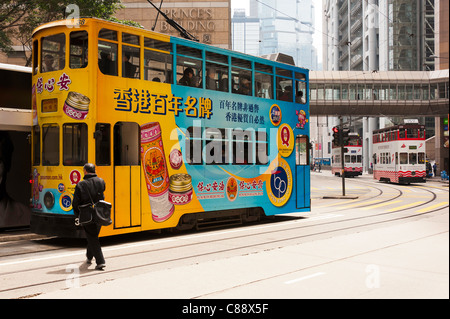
(216, 72)
(300, 88)
(78, 49)
(263, 81)
(130, 56)
(188, 51)
(241, 76)
(158, 45)
(284, 85)
(107, 52)
(189, 66)
(53, 50)
(35, 56)
(216, 77)
(158, 66)
(108, 34)
(412, 133)
(422, 133)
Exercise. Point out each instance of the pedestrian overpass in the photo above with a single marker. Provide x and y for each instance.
(379, 93)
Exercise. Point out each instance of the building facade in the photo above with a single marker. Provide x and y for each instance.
(245, 32)
(287, 27)
(383, 35)
(283, 27)
(208, 20)
(379, 35)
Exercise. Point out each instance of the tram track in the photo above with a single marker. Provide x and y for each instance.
(262, 236)
(381, 192)
(196, 256)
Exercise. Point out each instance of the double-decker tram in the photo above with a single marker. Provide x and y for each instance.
(352, 157)
(399, 153)
(184, 134)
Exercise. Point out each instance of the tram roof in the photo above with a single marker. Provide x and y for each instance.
(69, 23)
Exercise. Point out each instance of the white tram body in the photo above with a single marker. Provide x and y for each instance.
(352, 157)
(399, 154)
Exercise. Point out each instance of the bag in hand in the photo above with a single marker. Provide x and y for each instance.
(99, 213)
(86, 213)
(102, 213)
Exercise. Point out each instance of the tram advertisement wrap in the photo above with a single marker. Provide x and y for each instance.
(167, 150)
(212, 171)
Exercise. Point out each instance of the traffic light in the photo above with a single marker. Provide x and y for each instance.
(345, 137)
(336, 137)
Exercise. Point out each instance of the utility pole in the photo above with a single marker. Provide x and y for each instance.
(341, 143)
(340, 139)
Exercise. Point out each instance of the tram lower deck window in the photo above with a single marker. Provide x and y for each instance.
(403, 158)
(50, 145)
(102, 144)
(75, 144)
(36, 145)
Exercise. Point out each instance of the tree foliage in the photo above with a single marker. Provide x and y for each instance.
(18, 18)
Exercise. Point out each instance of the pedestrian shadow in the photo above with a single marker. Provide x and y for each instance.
(83, 268)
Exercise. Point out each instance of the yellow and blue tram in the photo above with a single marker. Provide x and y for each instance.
(184, 134)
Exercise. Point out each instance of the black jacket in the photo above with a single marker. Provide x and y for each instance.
(93, 185)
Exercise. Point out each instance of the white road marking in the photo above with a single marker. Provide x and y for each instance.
(293, 281)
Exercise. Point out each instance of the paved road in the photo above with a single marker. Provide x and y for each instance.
(391, 242)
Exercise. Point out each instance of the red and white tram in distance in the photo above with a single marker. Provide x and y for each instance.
(399, 153)
(352, 157)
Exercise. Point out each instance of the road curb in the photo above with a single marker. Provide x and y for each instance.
(16, 237)
(340, 197)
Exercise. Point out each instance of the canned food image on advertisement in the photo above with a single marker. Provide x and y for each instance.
(155, 171)
(180, 189)
(76, 106)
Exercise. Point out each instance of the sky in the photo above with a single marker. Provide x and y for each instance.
(317, 37)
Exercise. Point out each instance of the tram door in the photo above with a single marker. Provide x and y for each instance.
(302, 171)
(127, 175)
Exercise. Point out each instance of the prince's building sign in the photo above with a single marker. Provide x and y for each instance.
(209, 21)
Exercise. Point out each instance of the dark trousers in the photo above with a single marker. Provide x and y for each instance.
(93, 243)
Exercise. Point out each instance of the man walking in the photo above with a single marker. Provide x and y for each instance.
(87, 191)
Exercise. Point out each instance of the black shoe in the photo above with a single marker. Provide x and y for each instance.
(88, 261)
(100, 267)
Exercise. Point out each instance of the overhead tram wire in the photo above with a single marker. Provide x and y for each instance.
(183, 32)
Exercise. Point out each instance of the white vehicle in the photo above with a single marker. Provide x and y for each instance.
(399, 153)
(352, 157)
